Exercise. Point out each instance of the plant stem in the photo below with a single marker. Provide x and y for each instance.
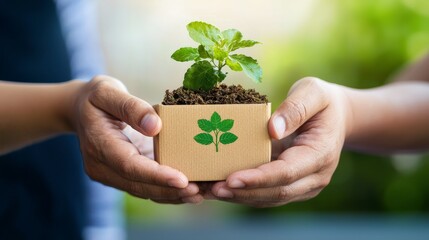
(217, 142)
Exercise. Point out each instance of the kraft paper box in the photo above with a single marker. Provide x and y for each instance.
(209, 142)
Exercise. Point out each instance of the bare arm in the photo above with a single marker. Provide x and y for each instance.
(315, 121)
(98, 112)
(32, 112)
(394, 117)
(416, 71)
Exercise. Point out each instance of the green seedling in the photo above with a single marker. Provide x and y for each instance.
(214, 53)
(216, 126)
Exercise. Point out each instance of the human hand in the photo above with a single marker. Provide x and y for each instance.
(101, 113)
(309, 129)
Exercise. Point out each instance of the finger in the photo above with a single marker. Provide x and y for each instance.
(196, 199)
(282, 194)
(112, 99)
(122, 157)
(293, 164)
(306, 99)
(143, 143)
(106, 176)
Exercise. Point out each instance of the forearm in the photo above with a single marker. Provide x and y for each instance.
(32, 112)
(391, 118)
(415, 71)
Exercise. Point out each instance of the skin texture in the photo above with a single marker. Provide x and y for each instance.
(313, 124)
(100, 113)
(309, 130)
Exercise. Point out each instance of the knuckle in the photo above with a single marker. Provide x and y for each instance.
(289, 174)
(126, 169)
(284, 193)
(98, 89)
(99, 78)
(314, 194)
(128, 105)
(296, 112)
(262, 178)
(317, 86)
(324, 182)
(311, 81)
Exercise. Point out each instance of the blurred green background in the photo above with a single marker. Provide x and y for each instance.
(359, 44)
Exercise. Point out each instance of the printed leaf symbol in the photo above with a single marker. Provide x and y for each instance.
(204, 138)
(250, 66)
(185, 54)
(215, 119)
(227, 138)
(204, 33)
(206, 125)
(225, 125)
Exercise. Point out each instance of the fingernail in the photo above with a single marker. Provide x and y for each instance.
(224, 193)
(279, 126)
(177, 183)
(149, 123)
(236, 184)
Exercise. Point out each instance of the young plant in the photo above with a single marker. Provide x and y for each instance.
(217, 126)
(214, 53)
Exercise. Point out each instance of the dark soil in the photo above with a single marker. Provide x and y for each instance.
(222, 94)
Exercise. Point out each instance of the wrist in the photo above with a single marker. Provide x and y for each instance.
(346, 106)
(351, 97)
(70, 94)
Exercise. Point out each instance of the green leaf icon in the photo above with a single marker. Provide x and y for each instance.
(219, 128)
(205, 125)
(225, 125)
(227, 138)
(204, 138)
(215, 119)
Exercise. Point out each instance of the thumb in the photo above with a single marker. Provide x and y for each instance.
(306, 98)
(111, 96)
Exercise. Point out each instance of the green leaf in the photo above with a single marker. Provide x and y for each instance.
(219, 53)
(185, 54)
(234, 65)
(232, 35)
(205, 125)
(243, 44)
(225, 125)
(204, 138)
(203, 52)
(250, 66)
(227, 138)
(200, 75)
(221, 76)
(204, 33)
(215, 119)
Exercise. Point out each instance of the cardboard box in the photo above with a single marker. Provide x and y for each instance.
(184, 142)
